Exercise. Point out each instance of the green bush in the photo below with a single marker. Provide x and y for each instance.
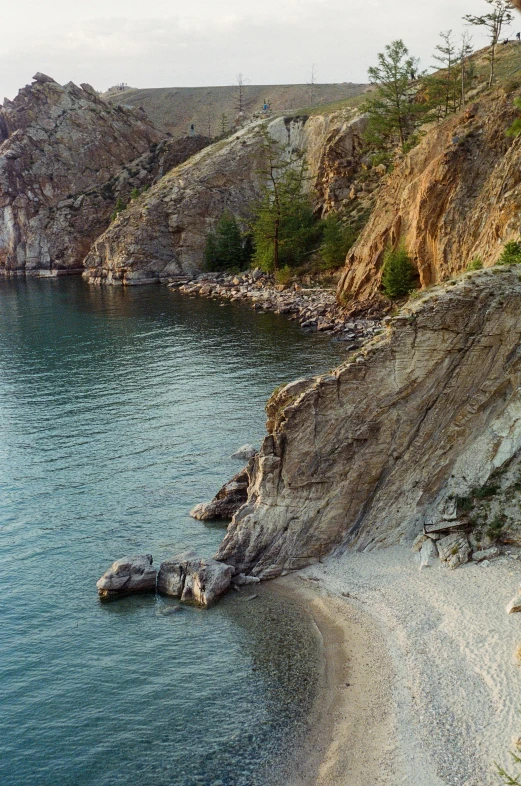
(226, 247)
(475, 264)
(398, 272)
(337, 239)
(511, 254)
(119, 207)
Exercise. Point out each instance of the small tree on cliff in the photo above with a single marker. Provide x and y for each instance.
(283, 225)
(394, 111)
(398, 272)
(499, 17)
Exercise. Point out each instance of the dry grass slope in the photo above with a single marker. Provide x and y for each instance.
(174, 109)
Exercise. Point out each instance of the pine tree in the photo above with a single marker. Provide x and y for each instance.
(394, 111)
(494, 22)
(397, 272)
(283, 226)
(337, 239)
(225, 246)
(444, 83)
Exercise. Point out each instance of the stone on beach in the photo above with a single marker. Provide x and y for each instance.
(515, 605)
(194, 579)
(485, 554)
(428, 554)
(128, 575)
(454, 549)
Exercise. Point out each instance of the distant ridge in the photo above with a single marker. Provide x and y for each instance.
(174, 109)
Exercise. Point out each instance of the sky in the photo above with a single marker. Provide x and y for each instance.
(204, 42)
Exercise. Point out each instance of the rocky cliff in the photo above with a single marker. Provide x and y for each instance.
(164, 233)
(61, 150)
(456, 196)
(378, 448)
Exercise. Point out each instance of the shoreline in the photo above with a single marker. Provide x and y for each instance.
(315, 308)
(353, 701)
(433, 696)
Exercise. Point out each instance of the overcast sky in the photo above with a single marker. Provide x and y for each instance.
(206, 42)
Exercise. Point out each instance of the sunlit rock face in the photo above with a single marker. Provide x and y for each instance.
(454, 198)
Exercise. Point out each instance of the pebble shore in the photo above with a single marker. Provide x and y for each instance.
(315, 308)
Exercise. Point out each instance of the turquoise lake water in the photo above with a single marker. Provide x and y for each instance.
(119, 410)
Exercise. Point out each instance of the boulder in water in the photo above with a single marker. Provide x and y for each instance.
(194, 579)
(128, 575)
(245, 453)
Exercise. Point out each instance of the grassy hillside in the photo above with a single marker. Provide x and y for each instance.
(174, 109)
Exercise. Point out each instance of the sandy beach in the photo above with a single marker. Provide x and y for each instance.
(420, 684)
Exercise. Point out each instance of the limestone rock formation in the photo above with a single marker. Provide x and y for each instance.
(192, 579)
(57, 145)
(378, 449)
(165, 232)
(456, 196)
(126, 576)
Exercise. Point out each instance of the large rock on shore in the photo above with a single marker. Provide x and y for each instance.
(192, 579)
(126, 576)
(378, 449)
(228, 500)
(61, 150)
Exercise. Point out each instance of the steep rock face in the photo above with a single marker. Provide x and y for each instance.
(457, 195)
(57, 146)
(165, 233)
(368, 454)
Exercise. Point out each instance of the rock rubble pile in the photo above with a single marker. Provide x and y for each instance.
(315, 308)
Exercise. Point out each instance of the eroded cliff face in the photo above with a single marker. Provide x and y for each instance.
(164, 233)
(61, 149)
(368, 454)
(456, 196)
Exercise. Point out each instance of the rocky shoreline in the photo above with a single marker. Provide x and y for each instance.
(315, 308)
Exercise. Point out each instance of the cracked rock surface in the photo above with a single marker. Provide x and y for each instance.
(372, 452)
(59, 145)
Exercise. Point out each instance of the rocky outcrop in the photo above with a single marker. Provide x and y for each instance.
(456, 196)
(61, 149)
(164, 234)
(200, 581)
(126, 576)
(380, 448)
(228, 500)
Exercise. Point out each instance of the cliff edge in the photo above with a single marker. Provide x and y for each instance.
(370, 453)
(456, 196)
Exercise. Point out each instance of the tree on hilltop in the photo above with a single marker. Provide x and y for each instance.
(499, 17)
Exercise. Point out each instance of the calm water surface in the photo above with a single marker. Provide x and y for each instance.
(118, 411)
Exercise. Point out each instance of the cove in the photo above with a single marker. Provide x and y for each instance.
(119, 409)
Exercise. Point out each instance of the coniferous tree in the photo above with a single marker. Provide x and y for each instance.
(394, 110)
(226, 248)
(398, 272)
(283, 225)
(499, 16)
